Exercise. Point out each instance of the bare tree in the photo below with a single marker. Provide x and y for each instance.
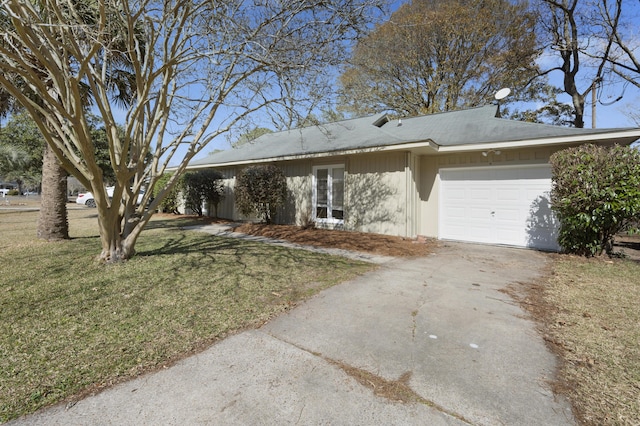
(573, 33)
(200, 68)
(624, 56)
(440, 55)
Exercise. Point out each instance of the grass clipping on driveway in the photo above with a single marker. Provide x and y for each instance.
(592, 318)
(70, 326)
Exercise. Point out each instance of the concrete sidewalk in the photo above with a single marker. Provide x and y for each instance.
(438, 324)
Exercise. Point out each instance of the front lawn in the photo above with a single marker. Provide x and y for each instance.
(590, 309)
(70, 326)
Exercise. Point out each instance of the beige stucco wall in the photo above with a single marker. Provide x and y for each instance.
(380, 192)
(430, 176)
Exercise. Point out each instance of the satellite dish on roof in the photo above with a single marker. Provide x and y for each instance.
(502, 93)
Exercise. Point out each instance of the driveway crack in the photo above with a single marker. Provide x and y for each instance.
(393, 390)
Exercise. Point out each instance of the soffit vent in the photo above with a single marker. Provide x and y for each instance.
(381, 121)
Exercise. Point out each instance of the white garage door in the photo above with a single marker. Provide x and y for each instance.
(499, 205)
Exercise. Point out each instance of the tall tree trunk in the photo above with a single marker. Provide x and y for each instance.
(52, 223)
(578, 106)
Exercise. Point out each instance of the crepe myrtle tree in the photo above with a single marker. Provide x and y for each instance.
(199, 68)
(52, 221)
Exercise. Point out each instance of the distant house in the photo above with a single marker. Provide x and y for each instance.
(464, 175)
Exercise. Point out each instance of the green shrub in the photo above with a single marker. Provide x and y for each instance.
(200, 187)
(13, 192)
(261, 190)
(596, 195)
(171, 201)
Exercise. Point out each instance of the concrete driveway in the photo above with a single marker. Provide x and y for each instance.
(438, 328)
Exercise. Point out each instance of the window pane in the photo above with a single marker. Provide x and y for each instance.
(337, 194)
(337, 187)
(329, 193)
(322, 176)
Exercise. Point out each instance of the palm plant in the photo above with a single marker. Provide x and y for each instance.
(11, 158)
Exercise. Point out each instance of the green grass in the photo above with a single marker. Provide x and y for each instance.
(595, 321)
(69, 325)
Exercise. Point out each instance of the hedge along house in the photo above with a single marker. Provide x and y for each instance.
(465, 175)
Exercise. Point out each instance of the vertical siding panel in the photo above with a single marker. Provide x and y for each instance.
(428, 194)
(377, 193)
(226, 209)
(297, 209)
(412, 174)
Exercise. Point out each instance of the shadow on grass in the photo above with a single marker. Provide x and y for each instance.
(205, 244)
(171, 221)
(186, 244)
(248, 259)
(181, 292)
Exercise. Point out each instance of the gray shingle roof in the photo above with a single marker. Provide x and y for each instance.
(479, 125)
(466, 127)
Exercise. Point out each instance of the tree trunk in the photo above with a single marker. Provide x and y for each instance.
(118, 236)
(579, 119)
(578, 106)
(52, 223)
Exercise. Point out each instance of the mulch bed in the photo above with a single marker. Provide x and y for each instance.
(348, 240)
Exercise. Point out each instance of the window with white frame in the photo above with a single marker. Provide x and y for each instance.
(328, 193)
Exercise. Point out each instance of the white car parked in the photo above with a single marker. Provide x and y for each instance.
(86, 198)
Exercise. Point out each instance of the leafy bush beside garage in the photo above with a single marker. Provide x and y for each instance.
(596, 195)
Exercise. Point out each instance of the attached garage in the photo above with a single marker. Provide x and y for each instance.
(498, 205)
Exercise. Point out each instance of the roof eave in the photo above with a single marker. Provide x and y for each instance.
(626, 137)
(338, 153)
